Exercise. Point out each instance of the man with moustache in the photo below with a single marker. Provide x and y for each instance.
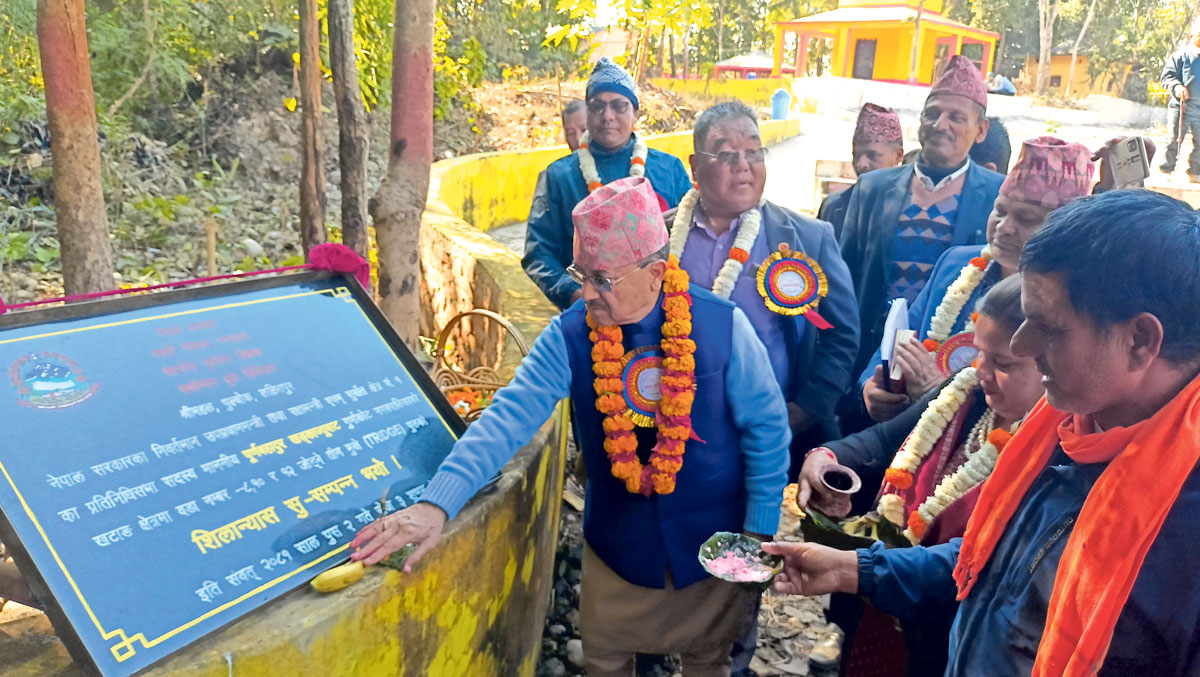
(682, 428)
(610, 150)
(1074, 560)
(899, 221)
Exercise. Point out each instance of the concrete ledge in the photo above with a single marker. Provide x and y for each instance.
(753, 92)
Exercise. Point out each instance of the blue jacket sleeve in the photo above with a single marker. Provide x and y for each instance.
(909, 582)
(836, 348)
(548, 240)
(758, 412)
(1172, 73)
(517, 411)
(916, 321)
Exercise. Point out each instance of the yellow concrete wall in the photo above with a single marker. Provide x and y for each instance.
(1060, 65)
(494, 189)
(753, 92)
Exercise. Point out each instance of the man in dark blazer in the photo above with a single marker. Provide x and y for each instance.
(899, 221)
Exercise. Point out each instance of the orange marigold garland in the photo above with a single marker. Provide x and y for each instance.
(674, 416)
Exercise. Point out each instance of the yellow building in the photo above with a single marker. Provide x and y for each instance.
(873, 39)
(1111, 82)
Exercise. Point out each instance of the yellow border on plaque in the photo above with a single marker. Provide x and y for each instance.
(124, 649)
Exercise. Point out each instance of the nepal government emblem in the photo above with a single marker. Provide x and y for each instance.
(49, 381)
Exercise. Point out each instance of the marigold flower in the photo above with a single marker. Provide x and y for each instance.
(917, 524)
(738, 254)
(679, 405)
(999, 437)
(676, 382)
(683, 364)
(671, 465)
(594, 186)
(608, 386)
(613, 424)
(638, 161)
(675, 432)
(664, 483)
(607, 369)
(677, 328)
(931, 345)
(901, 479)
(979, 262)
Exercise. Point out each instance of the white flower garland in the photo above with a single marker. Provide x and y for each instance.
(934, 421)
(977, 468)
(956, 297)
(587, 163)
(727, 277)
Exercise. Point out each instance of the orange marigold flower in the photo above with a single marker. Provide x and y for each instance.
(931, 345)
(607, 369)
(680, 405)
(594, 186)
(999, 437)
(679, 346)
(677, 382)
(609, 404)
(917, 524)
(663, 483)
(638, 161)
(683, 363)
(674, 306)
(979, 262)
(738, 254)
(677, 327)
(675, 432)
(901, 479)
(975, 316)
(608, 386)
(613, 424)
(670, 465)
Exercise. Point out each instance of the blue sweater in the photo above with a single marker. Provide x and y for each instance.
(998, 626)
(544, 377)
(550, 234)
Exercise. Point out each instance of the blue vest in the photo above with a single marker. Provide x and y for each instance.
(640, 537)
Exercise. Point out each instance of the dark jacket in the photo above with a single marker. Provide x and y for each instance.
(1181, 68)
(998, 626)
(870, 225)
(822, 360)
(550, 234)
(833, 209)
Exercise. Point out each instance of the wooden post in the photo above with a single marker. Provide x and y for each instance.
(312, 178)
(210, 242)
(398, 205)
(71, 110)
(914, 57)
(353, 143)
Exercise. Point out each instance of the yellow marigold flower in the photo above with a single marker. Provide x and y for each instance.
(684, 363)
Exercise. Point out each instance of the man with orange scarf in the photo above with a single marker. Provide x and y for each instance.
(1074, 559)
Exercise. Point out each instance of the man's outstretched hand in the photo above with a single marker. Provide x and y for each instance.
(419, 524)
(810, 569)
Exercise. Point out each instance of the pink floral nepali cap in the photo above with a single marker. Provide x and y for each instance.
(1050, 172)
(961, 78)
(618, 224)
(877, 124)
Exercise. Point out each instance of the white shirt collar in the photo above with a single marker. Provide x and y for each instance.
(928, 182)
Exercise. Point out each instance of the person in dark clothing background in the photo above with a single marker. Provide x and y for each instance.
(1179, 78)
(995, 151)
(878, 143)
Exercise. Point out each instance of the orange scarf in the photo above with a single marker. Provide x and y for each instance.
(1116, 527)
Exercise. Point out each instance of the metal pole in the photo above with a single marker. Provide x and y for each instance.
(914, 57)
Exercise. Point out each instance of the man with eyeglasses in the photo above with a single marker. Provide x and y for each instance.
(900, 220)
(783, 270)
(681, 426)
(610, 151)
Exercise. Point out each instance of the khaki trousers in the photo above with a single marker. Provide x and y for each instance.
(618, 619)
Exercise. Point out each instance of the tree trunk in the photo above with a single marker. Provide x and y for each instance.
(1047, 13)
(674, 70)
(312, 177)
(398, 205)
(1075, 48)
(720, 30)
(352, 125)
(662, 53)
(687, 55)
(71, 109)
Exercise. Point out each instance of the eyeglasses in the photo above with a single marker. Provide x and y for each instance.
(618, 106)
(730, 158)
(600, 282)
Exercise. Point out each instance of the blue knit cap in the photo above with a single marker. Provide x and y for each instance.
(608, 76)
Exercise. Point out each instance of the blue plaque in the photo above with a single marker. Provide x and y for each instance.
(170, 462)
